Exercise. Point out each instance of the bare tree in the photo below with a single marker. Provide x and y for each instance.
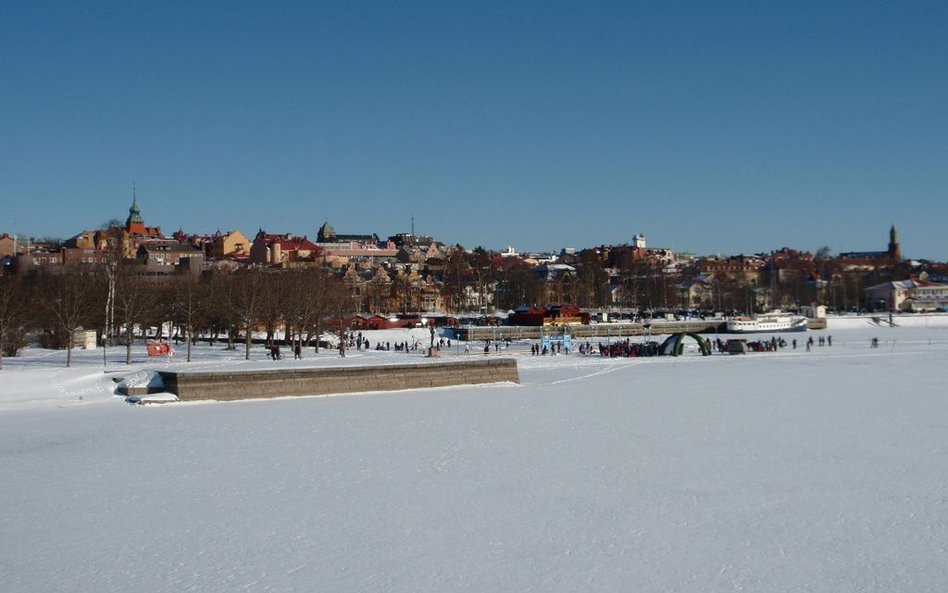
(328, 298)
(246, 298)
(520, 286)
(135, 300)
(187, 298)
(217, 312)
(591, 280)
(458, 275)
(301, 305)
(14, 307)
(109, 270)
(273, 301)
(67, 299)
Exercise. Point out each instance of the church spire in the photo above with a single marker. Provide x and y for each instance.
(135, 223)
(895, 250)
(134, 213)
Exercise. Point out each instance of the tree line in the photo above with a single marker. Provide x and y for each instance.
(117, 301)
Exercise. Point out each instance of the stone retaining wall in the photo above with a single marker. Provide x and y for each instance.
(191, 386)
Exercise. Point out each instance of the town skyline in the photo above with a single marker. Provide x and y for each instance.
(311, 233)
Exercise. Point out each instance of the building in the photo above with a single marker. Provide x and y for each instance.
(34, 261)
(123, 240)
(430, 257)
(286, 251)
(327, 234)
(135, 224)
(167, 258)
(697, 293)
(341, 250)
(743, 269)
(870, 260)
(910, 296)
(88, 257)
(8, 246)
(555, 314)
(233, 244)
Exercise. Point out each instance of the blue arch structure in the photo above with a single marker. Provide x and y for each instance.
(674, 345)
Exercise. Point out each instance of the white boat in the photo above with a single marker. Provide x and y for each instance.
(766, 322)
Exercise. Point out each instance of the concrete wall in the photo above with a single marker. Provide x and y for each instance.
(190, 386)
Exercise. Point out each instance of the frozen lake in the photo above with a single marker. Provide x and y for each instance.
(789, 471)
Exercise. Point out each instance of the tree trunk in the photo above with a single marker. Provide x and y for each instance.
(128, 343)
(248, 339)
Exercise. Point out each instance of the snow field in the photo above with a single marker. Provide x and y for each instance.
(788, 471)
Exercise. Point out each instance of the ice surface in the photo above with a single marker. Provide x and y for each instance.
(790, 471)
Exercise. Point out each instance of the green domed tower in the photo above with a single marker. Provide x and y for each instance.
(135, 223)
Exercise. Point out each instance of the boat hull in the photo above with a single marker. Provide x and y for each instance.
(766, 325)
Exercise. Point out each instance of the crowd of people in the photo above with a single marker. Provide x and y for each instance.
(629, 349)
(614, 349)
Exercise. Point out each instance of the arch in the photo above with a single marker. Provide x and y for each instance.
(674, 344)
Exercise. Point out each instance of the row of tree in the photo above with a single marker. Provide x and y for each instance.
(116, 298)
(119, 303)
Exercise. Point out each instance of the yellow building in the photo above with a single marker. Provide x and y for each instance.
(233, 244)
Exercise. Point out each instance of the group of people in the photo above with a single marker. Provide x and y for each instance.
(774, 344)
(619, 349)
(823, 341)
(553, 348)
(628, 349)
(275, 353)
(495, 344)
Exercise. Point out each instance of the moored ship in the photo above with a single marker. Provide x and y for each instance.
(768, 322)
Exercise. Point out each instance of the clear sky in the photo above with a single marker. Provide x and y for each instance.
(707, 126)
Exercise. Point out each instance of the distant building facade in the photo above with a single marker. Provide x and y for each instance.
(911, 296)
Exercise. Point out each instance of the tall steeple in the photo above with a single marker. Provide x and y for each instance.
(135, 223)
(895, 250)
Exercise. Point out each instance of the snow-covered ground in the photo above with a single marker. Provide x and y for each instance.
(824, 470)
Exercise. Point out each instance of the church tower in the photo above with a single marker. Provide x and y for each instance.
(134, 224)
(325, 234)
(895, 250)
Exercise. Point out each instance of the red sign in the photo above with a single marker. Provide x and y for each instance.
(159, 349)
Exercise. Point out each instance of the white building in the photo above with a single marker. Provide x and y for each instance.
(913, 296)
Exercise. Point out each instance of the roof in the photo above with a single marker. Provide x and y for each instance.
(906, 285)
(295, 244)
(864, 254)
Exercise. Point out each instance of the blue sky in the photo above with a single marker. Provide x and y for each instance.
(708, 126)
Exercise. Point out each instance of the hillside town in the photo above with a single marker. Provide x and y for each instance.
(407, 272)
(284, 282)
